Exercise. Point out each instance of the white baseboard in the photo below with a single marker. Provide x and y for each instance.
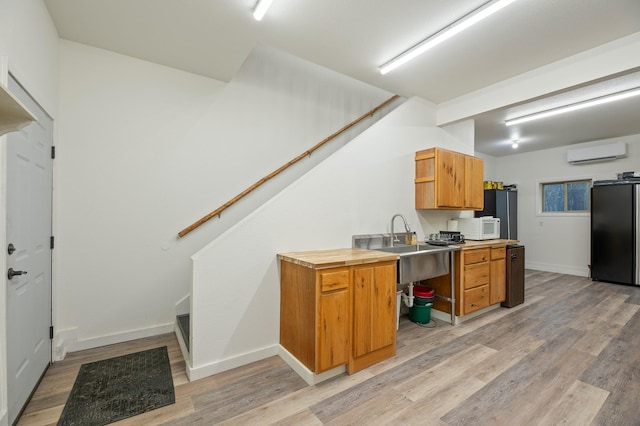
(442, 316)
(195, 373)
(67, 341)
(61, 340)
(307, 375)
(559, 269)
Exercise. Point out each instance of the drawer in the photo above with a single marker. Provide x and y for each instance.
(334, 280)
(476, 256)
(476, 275)
(498, 253)
(476, 299)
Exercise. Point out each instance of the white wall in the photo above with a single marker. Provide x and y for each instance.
(119, 184)
(235, 298)
(28, 49)
(558, 243)
(490, 166)
(144, 151)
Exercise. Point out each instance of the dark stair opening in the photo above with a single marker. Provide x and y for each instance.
(183, 325)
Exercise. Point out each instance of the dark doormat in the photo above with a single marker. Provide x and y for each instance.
(117, 388)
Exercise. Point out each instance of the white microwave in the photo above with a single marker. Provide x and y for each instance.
(479, 228)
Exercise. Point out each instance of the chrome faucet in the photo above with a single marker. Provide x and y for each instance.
(395, 239)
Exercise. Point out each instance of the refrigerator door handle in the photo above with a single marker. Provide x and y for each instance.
(508, 201)
(636, 194)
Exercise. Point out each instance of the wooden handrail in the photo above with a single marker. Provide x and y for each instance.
(308, 152)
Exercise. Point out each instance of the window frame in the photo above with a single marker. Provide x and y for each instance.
(564, 180)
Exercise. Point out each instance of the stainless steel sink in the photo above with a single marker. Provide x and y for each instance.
(417, 262)
(420, 262)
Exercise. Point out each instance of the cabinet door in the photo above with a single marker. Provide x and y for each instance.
(498, 287)
(332, 330)
(425, 179)
(374, 308)
(473, 183)
(450, 179)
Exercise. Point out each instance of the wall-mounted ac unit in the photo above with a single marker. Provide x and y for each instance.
(594, 154)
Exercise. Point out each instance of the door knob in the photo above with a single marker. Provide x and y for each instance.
(11, 273)
(11, 249)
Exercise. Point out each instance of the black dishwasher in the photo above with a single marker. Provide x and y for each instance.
(515, 276)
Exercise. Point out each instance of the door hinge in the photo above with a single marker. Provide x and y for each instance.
(51, 332)
(51, 242)
(53, 152)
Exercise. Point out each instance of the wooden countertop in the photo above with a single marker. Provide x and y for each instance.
(468, 245)
(322, 259)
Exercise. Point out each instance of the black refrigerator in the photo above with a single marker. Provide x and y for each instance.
(503, 204)
(615, 221)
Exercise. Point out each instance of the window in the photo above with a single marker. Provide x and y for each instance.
(570, 196)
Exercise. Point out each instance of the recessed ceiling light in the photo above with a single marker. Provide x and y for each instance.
(449, 31)
(514, 145)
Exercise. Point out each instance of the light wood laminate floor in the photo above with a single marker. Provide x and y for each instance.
(569, 355)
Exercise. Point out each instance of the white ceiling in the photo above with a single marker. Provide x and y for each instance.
(354, 37)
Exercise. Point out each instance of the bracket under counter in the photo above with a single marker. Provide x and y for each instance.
(449, 297)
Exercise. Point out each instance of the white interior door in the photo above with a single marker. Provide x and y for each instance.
(29, 190)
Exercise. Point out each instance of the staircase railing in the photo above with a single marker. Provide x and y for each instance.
(308, 152)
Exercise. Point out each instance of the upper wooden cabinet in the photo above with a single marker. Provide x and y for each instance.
(448, 180)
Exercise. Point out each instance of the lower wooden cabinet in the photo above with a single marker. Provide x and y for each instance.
(337, 316)
(480, 280)
(476, 273)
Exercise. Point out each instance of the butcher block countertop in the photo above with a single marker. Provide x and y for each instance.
(322, 259)
(468, 245)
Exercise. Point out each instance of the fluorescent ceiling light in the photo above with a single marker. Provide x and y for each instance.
(462, 24)
(261, 8)
(573, 107)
